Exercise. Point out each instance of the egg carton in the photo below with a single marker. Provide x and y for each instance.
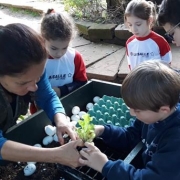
(111, 110)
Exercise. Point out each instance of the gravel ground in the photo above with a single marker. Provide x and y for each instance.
(8, 16)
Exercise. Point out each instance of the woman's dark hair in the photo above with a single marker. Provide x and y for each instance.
(151, 85)
(56, 25)
(169, 12)
(20, 48)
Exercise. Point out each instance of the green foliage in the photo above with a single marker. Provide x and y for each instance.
(91, 9)
(86, 129)
(25, 11)
(99, 11)
(78, 4)
(21, 117)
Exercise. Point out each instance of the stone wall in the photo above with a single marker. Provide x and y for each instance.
(109, 33)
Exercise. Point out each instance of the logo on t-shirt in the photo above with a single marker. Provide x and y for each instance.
(58, 76)
(141, 54)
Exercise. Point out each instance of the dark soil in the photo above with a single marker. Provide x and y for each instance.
(44, 171)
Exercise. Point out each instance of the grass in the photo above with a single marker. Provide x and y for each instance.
(25, 12)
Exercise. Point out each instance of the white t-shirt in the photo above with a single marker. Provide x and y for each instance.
(67, 69)
(151, 47)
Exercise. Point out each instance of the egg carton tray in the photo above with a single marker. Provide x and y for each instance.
(111, 110)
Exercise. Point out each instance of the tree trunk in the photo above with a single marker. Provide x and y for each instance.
(111, 4)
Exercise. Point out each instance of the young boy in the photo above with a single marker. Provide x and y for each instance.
(151, 91)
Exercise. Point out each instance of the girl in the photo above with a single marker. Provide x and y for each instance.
(144, 44)
(65, 66)
(169, 18)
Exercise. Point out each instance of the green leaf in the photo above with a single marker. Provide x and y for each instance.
(86, 130)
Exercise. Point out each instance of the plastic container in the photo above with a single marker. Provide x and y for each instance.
(31, 130)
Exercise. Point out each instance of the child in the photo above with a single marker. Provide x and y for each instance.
(65, 66)
(144, 44)
(151, 91)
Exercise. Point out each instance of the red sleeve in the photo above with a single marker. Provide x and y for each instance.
(164, 46)
(80, 68)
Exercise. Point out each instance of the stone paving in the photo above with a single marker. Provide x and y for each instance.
(103, 61)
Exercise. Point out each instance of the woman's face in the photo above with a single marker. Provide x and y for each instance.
(21, 84)
(173, 31)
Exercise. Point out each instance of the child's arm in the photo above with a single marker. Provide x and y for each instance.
(93, 157)
(99, 129)
(163, 164)
(128, 59)
(126, 138)
(165, 50)
(127, 52)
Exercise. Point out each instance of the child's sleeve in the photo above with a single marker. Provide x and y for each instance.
(165, 50)
(123, 138)
(163, 164)
(80, 68)
(127, 53)
(79, 78)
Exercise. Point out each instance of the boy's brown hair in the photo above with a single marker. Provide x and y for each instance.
(151, 85)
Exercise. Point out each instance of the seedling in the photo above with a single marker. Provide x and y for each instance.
(86, 130)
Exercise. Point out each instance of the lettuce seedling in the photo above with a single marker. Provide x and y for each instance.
(86, 131)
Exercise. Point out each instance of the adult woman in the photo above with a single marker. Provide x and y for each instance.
(169, 18)
(22, 58)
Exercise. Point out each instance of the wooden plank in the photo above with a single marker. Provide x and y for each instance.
(107, 68)
(123, 68)
(79, 41)
(94, 52)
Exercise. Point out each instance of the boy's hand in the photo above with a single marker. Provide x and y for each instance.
(99, 129)
(93, 157)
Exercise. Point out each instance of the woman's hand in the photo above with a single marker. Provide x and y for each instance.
(93, 157)
(64, 126)
(68, 154)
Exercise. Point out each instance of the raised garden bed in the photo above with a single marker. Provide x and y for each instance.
(31, 131)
